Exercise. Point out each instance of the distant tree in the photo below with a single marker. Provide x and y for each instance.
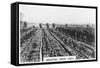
(66, 25)
(21, 16)
(33, 26)
(40, 25)
(87, 25)
(53, 25)
(25, 24)
(47, 25)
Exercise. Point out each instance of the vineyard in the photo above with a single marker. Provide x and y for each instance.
(36, 43)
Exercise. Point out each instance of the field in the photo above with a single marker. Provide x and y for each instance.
(55, 40)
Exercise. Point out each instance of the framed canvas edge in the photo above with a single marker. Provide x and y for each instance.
(59, 5)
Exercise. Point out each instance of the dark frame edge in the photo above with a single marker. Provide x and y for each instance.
(14, 12)
(96, 33)
(59, 5)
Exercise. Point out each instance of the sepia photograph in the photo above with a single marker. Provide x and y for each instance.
(56, 34)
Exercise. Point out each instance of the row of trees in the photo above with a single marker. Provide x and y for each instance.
(47, 25)
(79, 33)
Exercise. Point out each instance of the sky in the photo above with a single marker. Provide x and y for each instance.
(58, 15)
